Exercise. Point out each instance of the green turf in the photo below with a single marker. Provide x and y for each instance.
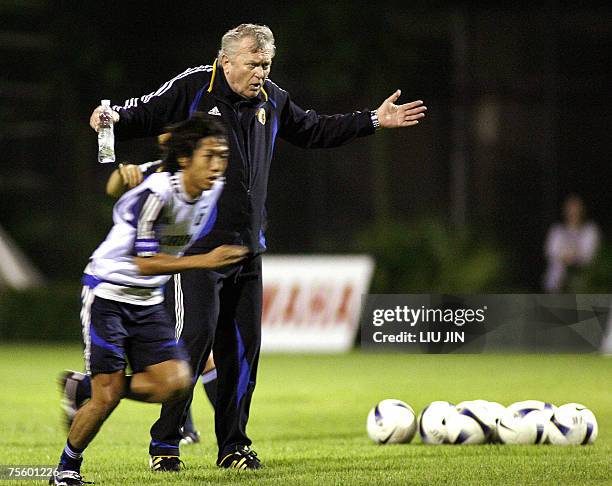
(308, 420)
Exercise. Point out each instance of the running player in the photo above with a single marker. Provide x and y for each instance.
(122, 314)
(125, 177)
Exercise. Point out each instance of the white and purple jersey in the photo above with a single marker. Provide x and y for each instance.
(157, 216)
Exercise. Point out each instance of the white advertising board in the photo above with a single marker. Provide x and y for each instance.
(312, 303)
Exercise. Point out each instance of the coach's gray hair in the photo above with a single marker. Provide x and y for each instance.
(262, 36)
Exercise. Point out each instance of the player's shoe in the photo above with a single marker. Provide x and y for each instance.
(71, 401)
(67, 478)
(190, 438)
(242, 458)
(166, 463)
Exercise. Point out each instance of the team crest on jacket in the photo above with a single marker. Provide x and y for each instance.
(261, 116)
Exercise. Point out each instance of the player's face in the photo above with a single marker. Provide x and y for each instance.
(205, 166)
(247, 71)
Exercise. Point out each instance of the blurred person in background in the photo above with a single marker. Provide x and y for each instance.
(570, 247)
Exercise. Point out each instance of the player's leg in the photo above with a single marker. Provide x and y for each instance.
(164, 373)
(104, 336)
(236, 349)
(107, 389)
(160, 383)
(193, 297)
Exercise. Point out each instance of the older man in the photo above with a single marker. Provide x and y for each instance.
(222, 309)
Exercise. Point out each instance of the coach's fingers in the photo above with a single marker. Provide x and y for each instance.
(394, 97)
(414, 117)
(418, 105)
(94, 119)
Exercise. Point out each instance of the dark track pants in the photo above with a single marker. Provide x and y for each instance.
(219, 310)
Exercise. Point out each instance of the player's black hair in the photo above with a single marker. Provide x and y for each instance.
(182, 138)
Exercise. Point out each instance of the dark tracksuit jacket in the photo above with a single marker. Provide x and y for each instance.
(224, 306)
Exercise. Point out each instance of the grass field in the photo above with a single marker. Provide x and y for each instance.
(308, 420)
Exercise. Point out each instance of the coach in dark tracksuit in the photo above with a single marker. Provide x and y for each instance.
(222, 309)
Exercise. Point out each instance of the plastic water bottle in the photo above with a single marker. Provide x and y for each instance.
(106, 136)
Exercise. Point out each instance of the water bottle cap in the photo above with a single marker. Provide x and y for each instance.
(105, 102)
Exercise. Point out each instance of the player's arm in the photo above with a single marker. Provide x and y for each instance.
(128, 176)
(163, 264)
(148, 258)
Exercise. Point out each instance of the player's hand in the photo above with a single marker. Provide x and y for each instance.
(225, 255)
(391, 115)
(131, 175)
(94, 119)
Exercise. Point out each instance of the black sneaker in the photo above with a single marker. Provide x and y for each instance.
(166, 463)
(67, 478)
(69, 383)
(242, 458)
(190, 438)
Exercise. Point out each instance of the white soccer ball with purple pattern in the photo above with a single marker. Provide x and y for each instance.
(496, 410)
(462, 427)
(391, 422)
(432, 422)
(517, 428)
(572, 424)
(461, 431)
(527, 406)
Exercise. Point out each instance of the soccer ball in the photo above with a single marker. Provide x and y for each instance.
(527, 406)
(464, 427)
(517, 428)
(391, 422)
(572, 424)
(432, 422)
(591, 423)
(496, 410)
(460, 431)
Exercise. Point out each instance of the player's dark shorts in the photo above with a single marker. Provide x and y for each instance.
(117, 333)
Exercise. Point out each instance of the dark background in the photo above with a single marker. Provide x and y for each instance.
(518, 117)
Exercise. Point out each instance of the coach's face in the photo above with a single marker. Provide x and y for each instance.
(205, 166)
(247, 70)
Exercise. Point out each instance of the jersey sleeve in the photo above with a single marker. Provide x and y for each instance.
(148, 115)
(149, 168)
(147, 211)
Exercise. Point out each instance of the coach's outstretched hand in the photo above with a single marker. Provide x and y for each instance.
(94, 119)
(391, 115)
